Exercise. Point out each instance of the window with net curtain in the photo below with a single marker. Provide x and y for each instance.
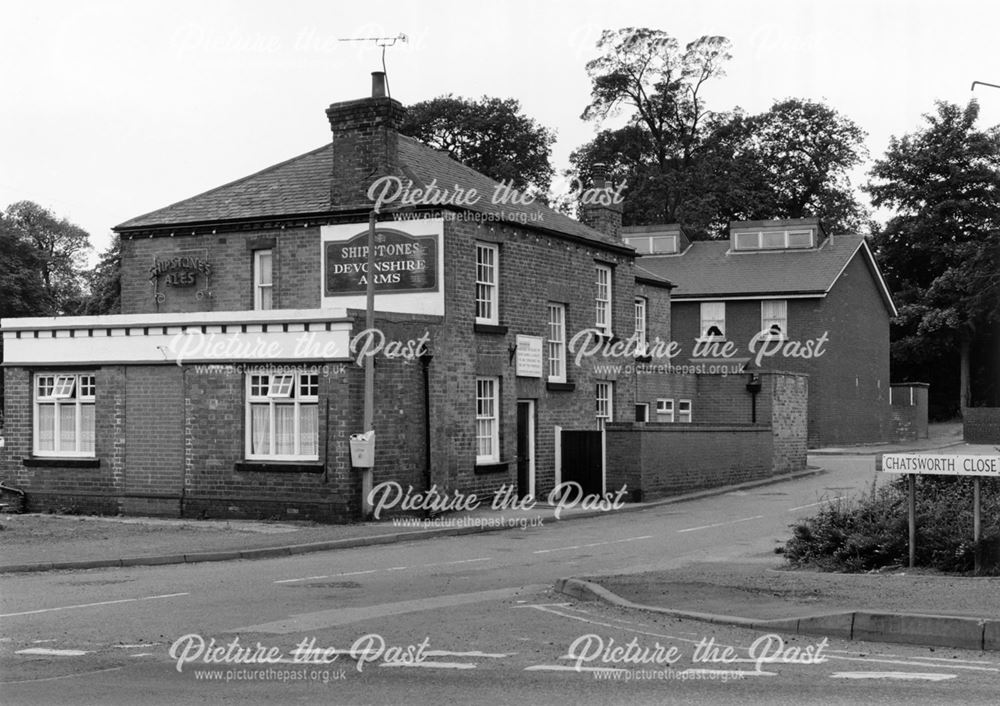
(283, 416)
(64, 414)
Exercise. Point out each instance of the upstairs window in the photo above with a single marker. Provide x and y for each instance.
(557, 343)
(774, 319)
(487, 258)
(684, 411)
(773, 240)
(263, 281)
(282, 416)
(713, 321)
(64, 420)
(603, 299)
(640, 323)
(653, 244)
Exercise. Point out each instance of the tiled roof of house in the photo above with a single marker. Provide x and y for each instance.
(301, 186)
(298, 186)
(710, 269)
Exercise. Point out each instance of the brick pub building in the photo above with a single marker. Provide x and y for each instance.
(227, 385)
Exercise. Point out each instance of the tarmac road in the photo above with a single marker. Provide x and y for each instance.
(480, 605)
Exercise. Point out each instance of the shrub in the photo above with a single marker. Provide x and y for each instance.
(871, 532)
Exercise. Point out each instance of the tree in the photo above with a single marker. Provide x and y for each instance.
(645, 71)
(791, 161)
(22, 292)
(105, 282)
(940, 250)
(490, 135)
(683, 163)
(59, 249)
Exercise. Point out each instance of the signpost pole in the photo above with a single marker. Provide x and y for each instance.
(976, 523)
(369, 412)
(912, 507)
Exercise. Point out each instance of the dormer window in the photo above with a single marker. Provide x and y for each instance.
(653, 244)
(774, 239)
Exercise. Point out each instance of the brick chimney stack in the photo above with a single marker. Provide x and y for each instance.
(604, 216)
(365, 143)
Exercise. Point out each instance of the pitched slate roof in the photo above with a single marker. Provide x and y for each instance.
(711, 270)
(298, 186)
(301, 186)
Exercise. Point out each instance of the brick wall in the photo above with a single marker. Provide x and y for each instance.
(909, 411)
(295, 263)
(981, 425)
(720, 446)
(675, 459)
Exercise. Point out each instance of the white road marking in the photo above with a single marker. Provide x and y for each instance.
(720, 524)
(460, 561)
(595, 544)
(92, 605)
(49, 652)
(821, 502)
(139, 644)
(375, 571)
(38, 642)
(949, 660)
(473, 653)
(64, 676)
(431, 665)
(915, 662)
(565, 668)
(893, 675)
(345, 616)
(143, 654)
(306, 578)
(546, 609)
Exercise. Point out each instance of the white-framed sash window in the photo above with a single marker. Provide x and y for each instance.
(713, 321)
(64, 414)
(774, 319)
(556, 342)
(602, 299)
(487, 420)
(487, 266)
(263, 280)
(282, 416)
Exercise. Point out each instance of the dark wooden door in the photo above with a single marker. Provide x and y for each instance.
(582, 460)
(524, 447)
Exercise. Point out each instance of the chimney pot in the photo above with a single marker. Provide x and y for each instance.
(378, 84)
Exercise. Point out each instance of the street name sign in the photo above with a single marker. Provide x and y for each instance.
(942, 464)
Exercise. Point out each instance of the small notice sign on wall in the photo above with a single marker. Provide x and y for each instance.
(529, 357)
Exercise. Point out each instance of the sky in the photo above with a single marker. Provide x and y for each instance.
(113, 108)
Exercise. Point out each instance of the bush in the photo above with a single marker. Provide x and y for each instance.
(871, 532)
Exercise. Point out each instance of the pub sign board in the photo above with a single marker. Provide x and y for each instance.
(408, 266)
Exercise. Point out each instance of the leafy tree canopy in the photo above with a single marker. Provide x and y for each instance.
(490, 135)
(684, 163)
(940, 250)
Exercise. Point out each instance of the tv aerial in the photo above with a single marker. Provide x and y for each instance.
(383, 42)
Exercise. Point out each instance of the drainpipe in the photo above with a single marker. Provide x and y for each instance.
(753, 387)
(425, 360)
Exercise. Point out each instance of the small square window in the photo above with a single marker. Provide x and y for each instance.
(64, 387)
(665, 410)
(281, 385)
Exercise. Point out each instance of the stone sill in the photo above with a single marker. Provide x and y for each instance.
(53, 462)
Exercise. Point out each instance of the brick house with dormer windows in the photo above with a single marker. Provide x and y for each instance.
(784, 295)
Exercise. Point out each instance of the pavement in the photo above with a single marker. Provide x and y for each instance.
(900, 607)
